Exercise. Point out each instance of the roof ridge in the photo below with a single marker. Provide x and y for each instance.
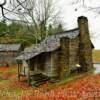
(65, 31)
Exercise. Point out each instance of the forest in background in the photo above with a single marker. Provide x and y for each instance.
(16, 32)
(31, 21)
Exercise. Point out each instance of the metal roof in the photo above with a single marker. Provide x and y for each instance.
(51, 43)
(9, 47)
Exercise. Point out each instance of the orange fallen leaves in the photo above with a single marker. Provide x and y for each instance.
(85, 88)
(2, 69)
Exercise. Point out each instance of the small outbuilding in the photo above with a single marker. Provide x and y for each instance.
(58, 54)
(8, 53)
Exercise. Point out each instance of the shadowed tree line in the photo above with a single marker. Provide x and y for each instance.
(19, 33)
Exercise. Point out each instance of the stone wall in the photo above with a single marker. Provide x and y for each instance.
(64, 57)
(74, 53)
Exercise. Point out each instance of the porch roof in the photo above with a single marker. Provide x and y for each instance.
(38, 50)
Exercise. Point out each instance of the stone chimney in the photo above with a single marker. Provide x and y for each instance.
(85, 47)
(64, 57)
(83, 27)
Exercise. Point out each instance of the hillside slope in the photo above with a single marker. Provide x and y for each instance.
(96, 56)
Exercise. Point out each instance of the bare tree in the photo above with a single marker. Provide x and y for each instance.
(37, 13)
(83, 3)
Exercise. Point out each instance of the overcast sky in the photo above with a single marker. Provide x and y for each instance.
(69, 16)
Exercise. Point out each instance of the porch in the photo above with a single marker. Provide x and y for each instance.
(35, 78)
(35, 70)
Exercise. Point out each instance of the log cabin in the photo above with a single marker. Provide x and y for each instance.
(58, 54)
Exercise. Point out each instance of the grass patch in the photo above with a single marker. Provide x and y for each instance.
(96, 56)
(75, 76)
(12, 70)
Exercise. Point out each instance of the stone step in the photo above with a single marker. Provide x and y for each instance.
(38, 79)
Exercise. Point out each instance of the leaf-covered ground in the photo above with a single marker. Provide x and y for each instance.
(85, 87)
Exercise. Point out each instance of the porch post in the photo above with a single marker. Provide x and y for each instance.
(18, 70)
(35, 65)
(28, 72)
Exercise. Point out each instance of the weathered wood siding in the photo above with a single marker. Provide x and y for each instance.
(48, 64)
(41, 63)
(44, 63)
(33, 63)
(8, 57)
(55, 62)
